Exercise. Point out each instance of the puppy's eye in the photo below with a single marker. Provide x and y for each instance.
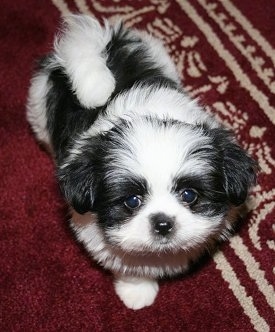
(189, 196)
(132, 202)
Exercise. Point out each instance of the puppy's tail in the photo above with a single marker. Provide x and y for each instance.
(80, 49)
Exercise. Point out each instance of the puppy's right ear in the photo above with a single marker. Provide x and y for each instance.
(77, 184)
(77, 178)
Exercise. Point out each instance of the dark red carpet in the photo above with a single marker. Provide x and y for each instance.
(225, 51)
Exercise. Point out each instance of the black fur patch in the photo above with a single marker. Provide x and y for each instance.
(239, 169)
(228, 175)
(212, 199)
(130, 63)
(112, 194)
(67, 118)
(80, 178)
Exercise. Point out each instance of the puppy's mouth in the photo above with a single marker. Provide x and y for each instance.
(164, 242)
(155, 246)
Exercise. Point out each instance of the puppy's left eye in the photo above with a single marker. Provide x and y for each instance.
(189, 196)
(132, 202)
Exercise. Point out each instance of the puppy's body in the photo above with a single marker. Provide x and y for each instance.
(151, 178)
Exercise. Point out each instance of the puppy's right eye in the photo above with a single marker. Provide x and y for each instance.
(132, 202)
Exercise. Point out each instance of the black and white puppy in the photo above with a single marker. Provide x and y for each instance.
(152, 180)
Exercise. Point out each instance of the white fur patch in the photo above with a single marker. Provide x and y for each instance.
(36, 106)
(80, 50)
(162, 103)
(136, 293)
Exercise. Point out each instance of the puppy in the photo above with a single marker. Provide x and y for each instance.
(152, 180)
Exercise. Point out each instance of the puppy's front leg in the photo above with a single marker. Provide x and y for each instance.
(135, 292)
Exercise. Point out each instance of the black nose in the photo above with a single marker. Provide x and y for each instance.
(162, 224)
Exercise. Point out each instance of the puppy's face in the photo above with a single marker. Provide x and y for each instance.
(159, 185)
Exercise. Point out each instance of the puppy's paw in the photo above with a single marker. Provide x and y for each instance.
(136, 293)
(94, 87)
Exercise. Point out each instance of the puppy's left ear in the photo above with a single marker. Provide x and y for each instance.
(239, 169)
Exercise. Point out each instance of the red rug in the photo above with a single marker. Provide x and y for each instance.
(225, 51)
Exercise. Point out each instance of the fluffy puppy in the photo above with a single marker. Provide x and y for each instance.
(152, 180)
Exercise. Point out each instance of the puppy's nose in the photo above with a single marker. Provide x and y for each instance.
(162, 224)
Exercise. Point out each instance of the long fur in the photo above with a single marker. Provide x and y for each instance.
(109, 103)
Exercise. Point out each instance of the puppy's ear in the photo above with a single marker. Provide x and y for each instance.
(78, 185)
(239, 173)
(239, 169)
(77, 178)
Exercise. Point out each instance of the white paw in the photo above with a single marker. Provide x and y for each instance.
(136, 293)
(94, 88)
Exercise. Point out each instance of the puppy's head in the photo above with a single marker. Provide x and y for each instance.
(158, 185)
